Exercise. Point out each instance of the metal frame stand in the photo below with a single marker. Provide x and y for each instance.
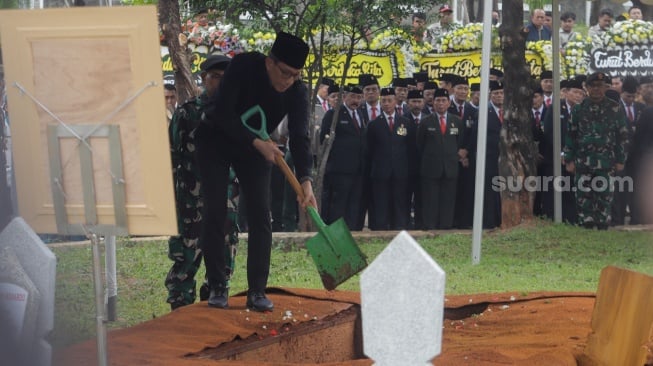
(91, 228)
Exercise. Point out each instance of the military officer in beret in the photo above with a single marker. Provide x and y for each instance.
(184, 249)
(594, 150)
(254, 86)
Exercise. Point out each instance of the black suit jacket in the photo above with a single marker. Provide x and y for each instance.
(438, 152)
(470, 118)
(642, 142)
(538, 130)
(546, 144)
(492, 143)
(365, 117)
(348, 150)
(389, 152)
(639, 107)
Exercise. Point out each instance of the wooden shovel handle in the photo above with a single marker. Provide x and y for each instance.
(281, 163)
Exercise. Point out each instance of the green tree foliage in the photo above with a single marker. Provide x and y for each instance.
(8, 4)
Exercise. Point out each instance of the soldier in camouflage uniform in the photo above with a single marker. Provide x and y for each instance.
(594, 150)
(184, 249)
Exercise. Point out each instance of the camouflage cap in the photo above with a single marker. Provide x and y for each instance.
(598, 76)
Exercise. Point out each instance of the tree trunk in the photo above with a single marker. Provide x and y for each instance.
(180, 56)
(518, 152)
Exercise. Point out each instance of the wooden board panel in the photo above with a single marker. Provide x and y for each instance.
(77, 66)
(622, 318)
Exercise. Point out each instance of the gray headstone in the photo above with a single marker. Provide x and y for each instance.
(402, 305)
(27, 283)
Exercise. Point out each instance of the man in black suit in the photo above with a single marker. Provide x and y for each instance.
(439, 142)
(429, 91)
(537, 112)
(270, 84)
(575, 94)
(632, 109)
(400, 86)
(460, 107)
(492, 197)
(343, 178)
(371, 109)
(391, 144)
(415, 115)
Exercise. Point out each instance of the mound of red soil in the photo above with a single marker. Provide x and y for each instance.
(485, 329)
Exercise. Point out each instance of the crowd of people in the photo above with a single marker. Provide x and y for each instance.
(403, 157)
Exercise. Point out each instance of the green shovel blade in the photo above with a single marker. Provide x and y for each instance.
(335, 254)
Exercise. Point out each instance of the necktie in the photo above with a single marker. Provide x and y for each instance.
(629, 111)
(325, 106)
(443, 124)
(391, 123)
(416, 120)
(356, 122)
(501, 115)
(399, 110)
(548, 102)
(373, 112)
(537, 119)
(460, 110)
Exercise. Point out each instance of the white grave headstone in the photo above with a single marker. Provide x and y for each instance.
(402, 305)
(27, 278)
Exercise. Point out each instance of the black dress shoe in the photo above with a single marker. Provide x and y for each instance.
(218, 298)
(258, 302)
(205, 291)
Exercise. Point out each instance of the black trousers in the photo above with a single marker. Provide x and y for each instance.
(215, 154)
(390, 204)
(439, 201)
(344, 193)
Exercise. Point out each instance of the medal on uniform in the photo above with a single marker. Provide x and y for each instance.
(401, 131)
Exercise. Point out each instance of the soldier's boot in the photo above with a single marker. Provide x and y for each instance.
(205, 291)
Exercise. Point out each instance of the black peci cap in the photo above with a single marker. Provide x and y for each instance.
(441, 92)
(290, 50)
(387, 91)
(367, 79)
(415, 94)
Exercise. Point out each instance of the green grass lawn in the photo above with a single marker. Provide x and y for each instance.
(543, 257)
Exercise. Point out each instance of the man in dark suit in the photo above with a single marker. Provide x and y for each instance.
(638, 164)
(575, 94)
(391, 144)
(537, 112)
(343, 178)
(439, 142)
(400, 86)
(492, 197)
(460, 107)
(270, 83)
(632, 109)
(415, 115)
(429, 91)
(371, 109)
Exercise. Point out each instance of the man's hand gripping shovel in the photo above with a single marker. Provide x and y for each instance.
(333, 249)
